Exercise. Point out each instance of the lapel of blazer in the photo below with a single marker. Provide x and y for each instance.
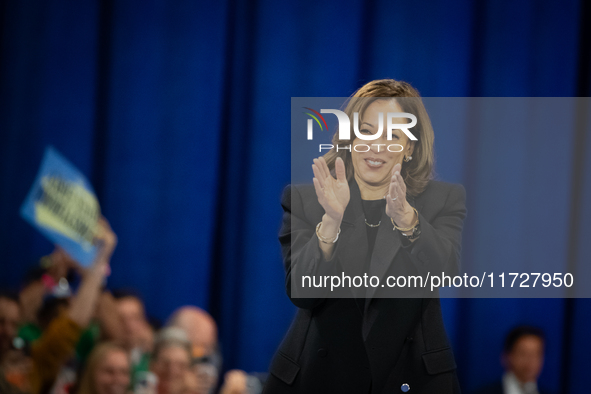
(354, 235)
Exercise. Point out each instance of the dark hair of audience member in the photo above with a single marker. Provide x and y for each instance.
(126, 292)
(9, 294)
(519, 332)
(32, 275)
(52, 307)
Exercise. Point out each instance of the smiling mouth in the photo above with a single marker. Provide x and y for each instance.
(374, 163)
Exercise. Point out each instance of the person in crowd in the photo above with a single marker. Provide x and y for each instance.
(171, 362)
(137, 336)
(10, 316)
(373, 209)
(523, 360)
(53, 276)
(32, 295)
(107, 370)
(46, 293)
(104, 326)
(237, 381)
(13, 363)
(199, 326)
(201, 330)
(57, 342)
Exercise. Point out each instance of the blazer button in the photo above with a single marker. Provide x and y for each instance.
(408, 339)
(322, 352)
(405, 388)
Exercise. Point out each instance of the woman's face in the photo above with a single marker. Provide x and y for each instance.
(171, 367)
(374, 167)
(112, 373)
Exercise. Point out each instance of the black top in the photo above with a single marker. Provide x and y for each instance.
(373, 210)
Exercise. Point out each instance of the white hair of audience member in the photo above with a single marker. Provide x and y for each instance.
(172, 336)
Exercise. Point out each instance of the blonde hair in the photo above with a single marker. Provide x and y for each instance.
(99, 353)
(417, 172)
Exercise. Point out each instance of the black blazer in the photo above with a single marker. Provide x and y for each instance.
(375, 345)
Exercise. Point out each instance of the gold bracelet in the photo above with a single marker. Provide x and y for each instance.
(326, 240)
(406, 229)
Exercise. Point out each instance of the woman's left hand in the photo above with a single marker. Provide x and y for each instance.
(396, 205)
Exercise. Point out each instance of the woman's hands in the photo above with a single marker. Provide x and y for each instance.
(333, 194)
(399, 209)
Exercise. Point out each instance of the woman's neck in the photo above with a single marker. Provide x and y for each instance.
(371, 192)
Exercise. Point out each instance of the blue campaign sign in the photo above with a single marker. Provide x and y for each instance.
(62, 205)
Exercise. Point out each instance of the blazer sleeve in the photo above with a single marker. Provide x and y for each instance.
(301, 252)
(438, 248)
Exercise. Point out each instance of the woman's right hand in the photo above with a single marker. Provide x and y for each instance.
(333, 194)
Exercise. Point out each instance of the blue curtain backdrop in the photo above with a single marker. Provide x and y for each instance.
(178, 111)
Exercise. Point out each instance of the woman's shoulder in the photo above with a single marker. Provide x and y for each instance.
(299, 194)
(439, 192)
(440, 195)
(440, 187)
(302, 190)
(301, 200)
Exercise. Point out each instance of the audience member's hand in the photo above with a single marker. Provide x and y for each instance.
(106, 240)
(207, 377)
(83, 304)
(235, 382)
(61, 263)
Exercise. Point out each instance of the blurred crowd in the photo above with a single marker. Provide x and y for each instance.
(95, 341)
